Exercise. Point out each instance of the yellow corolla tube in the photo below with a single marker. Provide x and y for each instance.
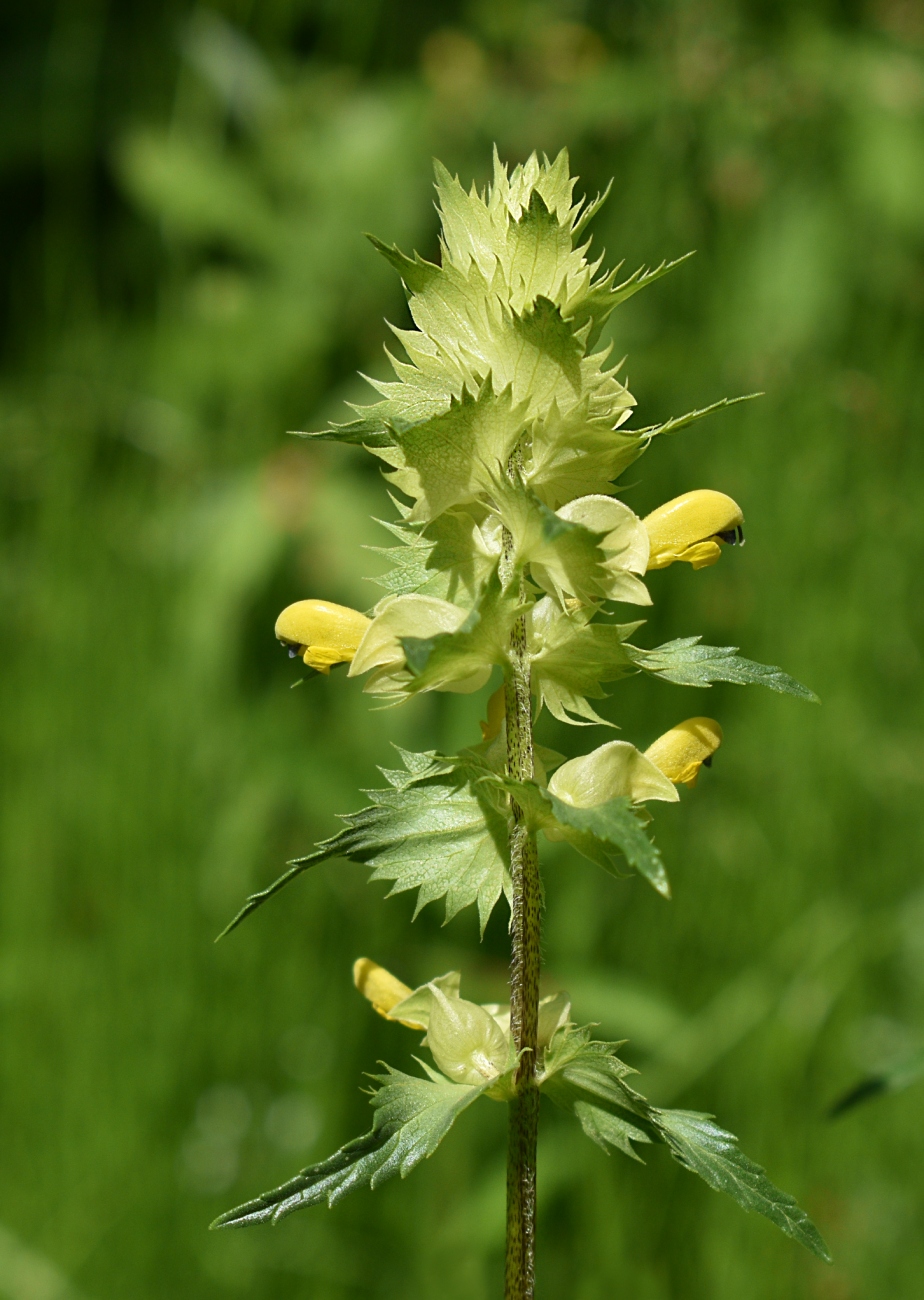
(378, 985)
(321, 633)
(692, 528)
(683, 750)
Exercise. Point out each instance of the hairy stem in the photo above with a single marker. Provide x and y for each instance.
(524, 979)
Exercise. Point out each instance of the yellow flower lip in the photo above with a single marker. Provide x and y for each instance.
(691, 528)
(321, 633)
(683, 750)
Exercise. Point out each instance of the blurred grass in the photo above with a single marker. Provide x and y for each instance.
(186, 279)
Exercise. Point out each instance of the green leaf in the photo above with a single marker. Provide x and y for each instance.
(410, 570)
(688, 663)
(698, 1143)
(482, 640)
(609, 831)
(449, 556)
(462, 552)
(471, 228)
(552, 179)
(367, 432)
(577, 451)
(587, 1078)
(438, 829)
(522, 238)
(412, 1116)
(416, 273)
(577, 1066)
(589, 210)
(550, 347)
(605, 834)
(539, 255)
(579, 1070)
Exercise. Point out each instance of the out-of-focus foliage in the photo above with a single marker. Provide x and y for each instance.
(184, 195)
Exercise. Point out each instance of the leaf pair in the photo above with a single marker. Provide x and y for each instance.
(583, 1077)
(442, 826)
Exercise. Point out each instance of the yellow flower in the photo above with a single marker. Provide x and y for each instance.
(683, 750)
(321, 633)
(691, 528)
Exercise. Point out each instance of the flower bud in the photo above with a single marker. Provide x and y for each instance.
(467, 1043)
(321, 633)
(683, 750)
(691, 528)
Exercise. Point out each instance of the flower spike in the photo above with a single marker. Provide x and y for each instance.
(683, 750)
(691, 528)
(321, 633)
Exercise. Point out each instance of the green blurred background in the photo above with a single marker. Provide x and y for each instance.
(184, 192)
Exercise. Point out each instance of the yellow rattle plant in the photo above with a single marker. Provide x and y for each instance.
(502, 435)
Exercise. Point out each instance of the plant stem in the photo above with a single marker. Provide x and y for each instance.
(524, 981)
